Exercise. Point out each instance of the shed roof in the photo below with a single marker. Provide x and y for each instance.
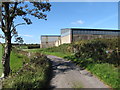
(96, 29)
(50, 35)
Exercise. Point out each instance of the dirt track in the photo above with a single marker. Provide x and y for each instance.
(68, 75)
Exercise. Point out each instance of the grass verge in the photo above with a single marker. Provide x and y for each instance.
(28, 74)
(45, 51)
(56, 54)
(0, 59)
(16, 60)
(106, 72)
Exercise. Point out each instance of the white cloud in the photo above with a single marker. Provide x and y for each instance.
(78, 22)
(26, 35)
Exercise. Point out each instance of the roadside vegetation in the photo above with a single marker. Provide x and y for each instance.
(27, 46)
(61, 51)
(0, 59)
(99, 56)
(16, 60)
(28, 70)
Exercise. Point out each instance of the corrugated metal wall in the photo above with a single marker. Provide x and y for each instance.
(49, 41)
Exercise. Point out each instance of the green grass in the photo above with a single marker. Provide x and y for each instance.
(0, 59)
(33, 50)
(106, 72)
(44, 51)
(33, 74)
(21, 47)
(16, 61)
(56, 54)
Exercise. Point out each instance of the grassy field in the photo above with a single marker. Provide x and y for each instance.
(44, 51)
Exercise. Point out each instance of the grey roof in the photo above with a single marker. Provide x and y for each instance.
(50, 35)
(91, 29)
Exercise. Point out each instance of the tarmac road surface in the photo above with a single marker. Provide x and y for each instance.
(68, 75)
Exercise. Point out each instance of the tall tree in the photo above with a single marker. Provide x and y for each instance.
(10, 12)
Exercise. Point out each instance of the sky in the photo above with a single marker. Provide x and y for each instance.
(68, 15)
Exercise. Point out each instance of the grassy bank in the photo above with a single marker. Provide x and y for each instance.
(27, 72)
(0, 59)
(33, 74)
(16, 60)
(107, 73)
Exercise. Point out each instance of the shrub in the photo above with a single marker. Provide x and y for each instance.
(65, 48)
(32, 46)
(91, 51)
(114, 58)
(31, 75)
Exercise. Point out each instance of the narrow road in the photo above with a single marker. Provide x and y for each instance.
(68, 75)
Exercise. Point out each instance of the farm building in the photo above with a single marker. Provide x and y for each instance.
(50, 41)
(69, 35)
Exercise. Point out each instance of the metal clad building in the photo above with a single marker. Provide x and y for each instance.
(66, 36)
(69, 35)
(49, 40)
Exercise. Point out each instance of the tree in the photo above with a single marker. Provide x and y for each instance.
(10, 12)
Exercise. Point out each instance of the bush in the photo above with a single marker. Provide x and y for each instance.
(33, 46)
(65, 48)
(31, 75)
(113, 58)
(96, 49)
(90, 52)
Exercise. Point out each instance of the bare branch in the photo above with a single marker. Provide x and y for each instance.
(17, 25)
